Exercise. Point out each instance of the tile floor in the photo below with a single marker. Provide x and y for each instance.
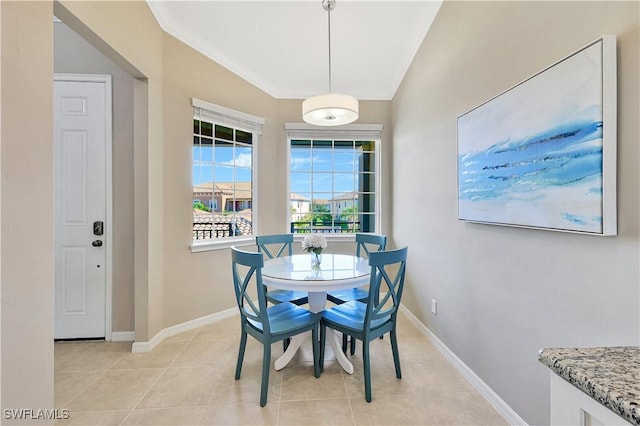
(189, 379)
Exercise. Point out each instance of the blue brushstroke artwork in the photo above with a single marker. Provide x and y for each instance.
(532, 156)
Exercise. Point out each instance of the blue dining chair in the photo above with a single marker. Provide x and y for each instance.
(276, 246)
(365, 244)
(370, 320)
(266, 324)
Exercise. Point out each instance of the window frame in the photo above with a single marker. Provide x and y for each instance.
(350, 132)
(220, 115)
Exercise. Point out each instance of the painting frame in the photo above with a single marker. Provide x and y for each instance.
(542, 154)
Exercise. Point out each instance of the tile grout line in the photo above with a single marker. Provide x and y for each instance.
(164, 370)
(411, 391)
(230, 364)
(85, 347)
(98, 377)
(346, 391)
(279, 396)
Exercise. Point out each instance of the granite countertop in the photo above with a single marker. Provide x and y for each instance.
(611, 375)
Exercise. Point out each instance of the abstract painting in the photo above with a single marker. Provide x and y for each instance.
(542, 154)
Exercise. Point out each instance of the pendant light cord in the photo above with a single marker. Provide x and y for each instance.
(329, 21)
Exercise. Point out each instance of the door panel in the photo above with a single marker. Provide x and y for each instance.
(74, 281)
(80, 200)
(74, 177)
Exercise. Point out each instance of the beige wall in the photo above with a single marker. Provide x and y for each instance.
(26, 193)
(196, 284)
(504, 293)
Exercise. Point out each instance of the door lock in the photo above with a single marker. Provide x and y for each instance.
(97, 243)
(98, 227)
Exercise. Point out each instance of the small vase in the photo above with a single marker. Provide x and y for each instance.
(316, 260)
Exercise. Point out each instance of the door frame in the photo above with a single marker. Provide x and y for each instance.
(108, 156)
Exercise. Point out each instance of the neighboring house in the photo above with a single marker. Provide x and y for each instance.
(219, 197)
(300, 206)
(347, 201)
(321, 205)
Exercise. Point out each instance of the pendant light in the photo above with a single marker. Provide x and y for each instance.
(330, 109)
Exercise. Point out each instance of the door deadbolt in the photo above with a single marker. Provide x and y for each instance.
(98, 227)
(97, 243)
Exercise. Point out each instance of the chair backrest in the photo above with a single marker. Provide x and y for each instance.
(247, 283)
(275, 245)
(367, 243)
(387, 280)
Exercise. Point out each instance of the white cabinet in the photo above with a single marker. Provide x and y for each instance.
(571, 406)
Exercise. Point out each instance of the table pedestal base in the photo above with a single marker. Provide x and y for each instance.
(317, 301)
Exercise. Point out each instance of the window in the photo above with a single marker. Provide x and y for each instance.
(223, 173)
(333, 177)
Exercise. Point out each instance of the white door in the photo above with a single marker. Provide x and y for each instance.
(80, 208)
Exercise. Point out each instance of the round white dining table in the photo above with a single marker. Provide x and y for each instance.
(336, 272)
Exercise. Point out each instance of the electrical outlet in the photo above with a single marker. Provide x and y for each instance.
(434, 307)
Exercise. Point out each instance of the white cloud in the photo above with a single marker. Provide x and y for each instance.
(242, 160)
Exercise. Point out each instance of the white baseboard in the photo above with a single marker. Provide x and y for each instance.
(180, 328)
(123, 336)
(496, 402)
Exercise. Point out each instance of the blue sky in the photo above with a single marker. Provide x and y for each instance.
(333, 168)
(204, 169)
(333, 171)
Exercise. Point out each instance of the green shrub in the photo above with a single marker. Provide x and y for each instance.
(200, 206)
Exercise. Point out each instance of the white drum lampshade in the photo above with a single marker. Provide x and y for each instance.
(331, 109)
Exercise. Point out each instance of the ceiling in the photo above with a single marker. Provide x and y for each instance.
(282, 46)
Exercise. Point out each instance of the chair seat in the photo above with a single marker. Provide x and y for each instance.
(341, 296)
(281, 296)
(285, 318)
(350, 316)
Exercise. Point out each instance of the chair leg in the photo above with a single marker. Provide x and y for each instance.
(266, 364)
(352, 349)
(285, 344)
(396, 355)
(345, 339)
(376, 301)
(367, 370)
(316, 351)
(243, 344)
(323, 338)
